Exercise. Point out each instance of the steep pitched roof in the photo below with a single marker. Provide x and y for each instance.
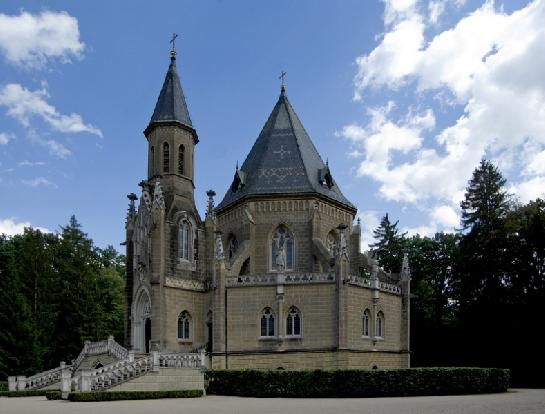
(171, 105)
(283, 160)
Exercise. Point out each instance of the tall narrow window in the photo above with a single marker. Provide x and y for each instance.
(233, 247)
(282, 249)
(267, 322)
(184, 234)
(151, 160)
(379, 325)
(332, 243)
(166, 157)
(293, 322)
(365, 330)
(184, 321)
(181, 158)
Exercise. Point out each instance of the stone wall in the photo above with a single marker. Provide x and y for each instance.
(315, 360)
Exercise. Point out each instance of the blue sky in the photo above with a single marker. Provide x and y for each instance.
(404, 97)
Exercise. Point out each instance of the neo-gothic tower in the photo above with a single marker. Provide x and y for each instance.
(165, 236)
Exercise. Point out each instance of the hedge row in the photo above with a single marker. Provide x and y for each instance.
(358, 383)
(53, 395)
(29, 393)
(132, 395)
(3, 386)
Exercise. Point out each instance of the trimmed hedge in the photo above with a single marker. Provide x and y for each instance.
(3, 386)
(358, 383)
(132, 395)
(29, 393)
(53, 395)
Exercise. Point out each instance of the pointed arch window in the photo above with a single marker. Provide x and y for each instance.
(181, 160)
(166, 157)
(379, 325)
(267, 323)
(184, 326)
(293, 322)
(282, 249)
(184, 240)
(151, 160)
(365, 322)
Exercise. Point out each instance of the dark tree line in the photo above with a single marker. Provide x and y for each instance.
(479, 294)
(56, 291)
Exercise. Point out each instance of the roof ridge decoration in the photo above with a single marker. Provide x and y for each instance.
(171, 105)
(283, 160)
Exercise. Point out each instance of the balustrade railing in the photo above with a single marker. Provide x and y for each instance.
(43, 379)
(284, 278)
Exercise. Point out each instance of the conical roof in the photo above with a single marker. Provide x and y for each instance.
(171, 105)
(283, 160)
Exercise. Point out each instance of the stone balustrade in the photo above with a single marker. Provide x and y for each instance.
(193, 360)
(368, 283)
(109, 346)
(276, 278)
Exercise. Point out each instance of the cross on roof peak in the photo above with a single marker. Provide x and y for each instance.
(282, 84)
(173, 41)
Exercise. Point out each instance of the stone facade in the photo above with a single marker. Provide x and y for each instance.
(273, 277)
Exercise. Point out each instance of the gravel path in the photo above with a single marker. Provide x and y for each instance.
(519, 401)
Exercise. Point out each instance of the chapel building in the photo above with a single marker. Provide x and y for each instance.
(273, 276)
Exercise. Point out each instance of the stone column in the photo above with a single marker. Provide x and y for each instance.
(155, 361)
(84, 383)
(406, 308)
(21, 382)
(341, 272)
(66, 381)
(131, 356)
(219, 315)
(12, 383)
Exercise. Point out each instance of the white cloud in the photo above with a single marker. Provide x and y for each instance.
(369, 222)
(529, 189)
(492, 64)
(445, 216)
(27, 163)
(38, 181)
(5, 138)
(35, 39)
(24, 104)
(10, 226)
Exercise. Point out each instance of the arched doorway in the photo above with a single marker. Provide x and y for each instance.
(147, 334)
(142, 322)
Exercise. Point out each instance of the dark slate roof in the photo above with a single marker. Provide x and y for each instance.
(283, 160)
(171, 106)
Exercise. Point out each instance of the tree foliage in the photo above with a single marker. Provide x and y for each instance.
(57, 290)
(477, 294)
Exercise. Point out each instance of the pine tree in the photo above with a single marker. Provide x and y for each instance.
(389, 245)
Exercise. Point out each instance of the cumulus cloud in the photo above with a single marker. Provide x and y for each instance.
(5, 138)
(38, 181)
(490, 64)
(23, 105)
(11, 227)
(35, 39)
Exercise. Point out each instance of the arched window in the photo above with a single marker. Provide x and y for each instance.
(366, 319)
(331, 243)
(184, 325)
(233, 247)
(267, 322)
(166, 157)
(184, 240)
(379, 325)
(282, 249)
(245, 268)
(181, 158)
(293, 322)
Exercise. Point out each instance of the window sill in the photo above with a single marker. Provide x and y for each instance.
(378, 338)
(184, 341)
(293, 337)
(268, 338)
(366, 337)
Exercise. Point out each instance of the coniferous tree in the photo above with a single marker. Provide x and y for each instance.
(389, 245)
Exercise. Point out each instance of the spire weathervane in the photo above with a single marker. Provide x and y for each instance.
(173, 41)
(282, 84)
